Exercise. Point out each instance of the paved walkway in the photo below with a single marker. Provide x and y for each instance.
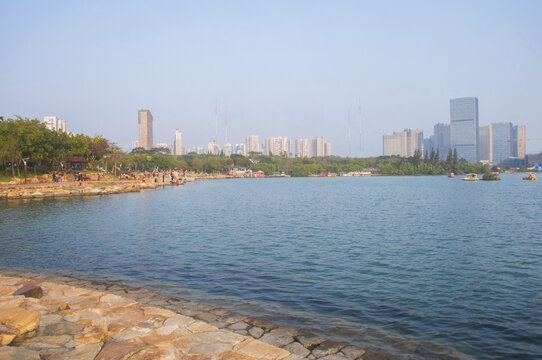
(51, 317)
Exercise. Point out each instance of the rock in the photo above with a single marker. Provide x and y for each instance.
(45, 342)
(297, 349)
(92, 335)
(260, 350)
(118, 350)
(215, 348)
(278, 337)
(32, 291)
(240, 325)
(7, 334)
(11, 302)
(310, 341)
(232, 355)
(22, 320)
(256, 332)
(162, 352)
(352, 352)
(11, 352)
(333, 357)
(179, 321)
(200, 326)
(328, 347)
(207, 317)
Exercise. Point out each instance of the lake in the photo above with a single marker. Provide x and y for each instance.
(411, 267)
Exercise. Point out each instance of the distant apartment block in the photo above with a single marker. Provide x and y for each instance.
(240, 149)
(278, 146)
(178, 143)
(518, 145)
(145, 122)
(486, 144)
(502, 146)
(303, 148)
(464, 135)
(252, 143)
(228, 149)
(135, 144)
(327, 148)
(441, 140)
(213, 148)
(395, 144)
(54, 123)
(403, 143)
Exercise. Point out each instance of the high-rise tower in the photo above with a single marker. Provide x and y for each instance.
(145, 129)
(464, 135)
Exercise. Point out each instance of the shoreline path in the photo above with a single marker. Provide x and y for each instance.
(57, 318)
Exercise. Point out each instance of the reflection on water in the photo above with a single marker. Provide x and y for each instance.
(415, 267)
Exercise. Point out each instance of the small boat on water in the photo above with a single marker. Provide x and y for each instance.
(471, 177)
(451, 175)
(532, 176)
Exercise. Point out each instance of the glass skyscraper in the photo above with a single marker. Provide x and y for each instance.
(464, 128)
(502, 147)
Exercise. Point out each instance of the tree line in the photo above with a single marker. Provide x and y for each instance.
(47, 150)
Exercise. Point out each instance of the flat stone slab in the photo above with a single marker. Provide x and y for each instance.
(43, 319)
(111, 321)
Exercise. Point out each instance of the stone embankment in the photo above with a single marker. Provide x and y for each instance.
(49, 190)
(51, 317)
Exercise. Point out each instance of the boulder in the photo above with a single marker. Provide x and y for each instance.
(32, 291)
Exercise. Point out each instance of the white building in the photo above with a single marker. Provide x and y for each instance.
(395, 144)
(252, 143)
(213, 148)
(278, 146)
(135, 144)
(228, 149)
(414, 141)
(54, 123)
(327, 148)
(303, 148)
(486, 144)
(178, 143)
(240, 149)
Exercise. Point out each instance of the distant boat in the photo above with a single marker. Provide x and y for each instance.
(451, 175)
(471, 177)
(532, 176)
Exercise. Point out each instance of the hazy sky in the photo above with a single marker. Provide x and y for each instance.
(294, 68)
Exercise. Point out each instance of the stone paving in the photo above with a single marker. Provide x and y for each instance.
(52, 317)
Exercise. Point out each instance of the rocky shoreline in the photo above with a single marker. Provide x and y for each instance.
(293, 344)
(72, 189)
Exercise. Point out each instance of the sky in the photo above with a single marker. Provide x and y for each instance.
(275, 68)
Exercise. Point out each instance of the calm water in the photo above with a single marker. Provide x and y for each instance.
(412, 267)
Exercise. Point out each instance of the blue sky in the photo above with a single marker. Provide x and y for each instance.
(294, 68)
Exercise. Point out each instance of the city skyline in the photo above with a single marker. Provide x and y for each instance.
(274, 69)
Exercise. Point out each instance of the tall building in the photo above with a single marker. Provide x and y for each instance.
(303, 148)
(240, 149)
(178, 143)
(252, 144)
(54, 123)
(135, 144)
(441, 140)
(518, 146)
(429, 144)
(502, 147)
(414, 141)
(213, 148)
(464, 129)
(395, 144)
(327, 148)
(318, 144)
(228, 149)
(486, 144)
(278, 146)
(145, 129)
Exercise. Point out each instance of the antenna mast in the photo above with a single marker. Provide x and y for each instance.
(359, 111)
(216, 119)
(349, 136)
